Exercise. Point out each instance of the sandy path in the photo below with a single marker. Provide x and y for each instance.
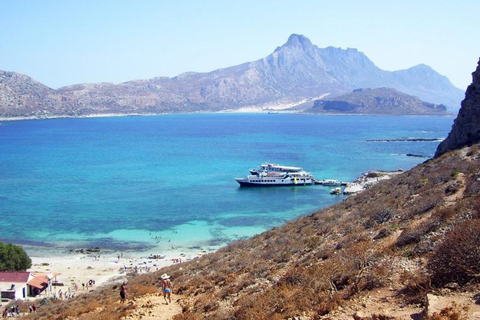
(153, 307)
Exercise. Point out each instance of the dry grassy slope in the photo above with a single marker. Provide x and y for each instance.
(366, 255)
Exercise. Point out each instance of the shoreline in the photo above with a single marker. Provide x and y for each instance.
(245, 110)
(74, 270)
(100, 115)
(369, 179)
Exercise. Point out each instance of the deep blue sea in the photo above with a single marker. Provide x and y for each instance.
(134, 182)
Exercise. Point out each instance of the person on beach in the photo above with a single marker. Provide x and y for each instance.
(123, 292)
(166, 288)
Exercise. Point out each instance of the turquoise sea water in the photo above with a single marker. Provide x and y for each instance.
(160, 181)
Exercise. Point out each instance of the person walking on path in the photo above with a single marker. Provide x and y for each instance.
(123, 292)
(167, 288)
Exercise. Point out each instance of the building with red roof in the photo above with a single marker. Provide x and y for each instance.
(13, 285)
(22, 284)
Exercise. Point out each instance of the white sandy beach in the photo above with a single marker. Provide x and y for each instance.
(75, 270)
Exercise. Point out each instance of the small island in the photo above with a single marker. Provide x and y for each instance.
(379, 101)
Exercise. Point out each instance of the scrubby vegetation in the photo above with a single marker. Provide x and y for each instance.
(457, 258)
(410, 235)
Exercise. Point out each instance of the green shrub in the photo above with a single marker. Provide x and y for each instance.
(13, 258)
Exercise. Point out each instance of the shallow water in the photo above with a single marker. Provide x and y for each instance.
(162, 181)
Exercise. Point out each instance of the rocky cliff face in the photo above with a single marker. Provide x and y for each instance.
(466, 128)
(294, 73)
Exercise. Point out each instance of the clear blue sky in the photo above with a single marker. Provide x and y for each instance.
(63, 42)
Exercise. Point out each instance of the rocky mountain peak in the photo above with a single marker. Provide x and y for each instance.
(422, 70)
(296, 73)
(297, 41)
(466, 128)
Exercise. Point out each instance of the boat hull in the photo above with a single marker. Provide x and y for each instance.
(247, 183)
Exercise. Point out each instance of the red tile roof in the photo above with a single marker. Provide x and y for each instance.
(14, 277)
(39, 281)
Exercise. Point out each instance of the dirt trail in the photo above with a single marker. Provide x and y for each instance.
(461, 180)
(153, 307)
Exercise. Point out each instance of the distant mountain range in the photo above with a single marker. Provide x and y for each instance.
(377, 101)
(295, 74)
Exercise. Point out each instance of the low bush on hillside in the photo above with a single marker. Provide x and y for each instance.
(453, 312)
(415, 234)
(415, 286)
(457, 258)
(380, 217)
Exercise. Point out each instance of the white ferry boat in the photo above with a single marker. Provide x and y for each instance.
(271, 167)
(276, 175)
